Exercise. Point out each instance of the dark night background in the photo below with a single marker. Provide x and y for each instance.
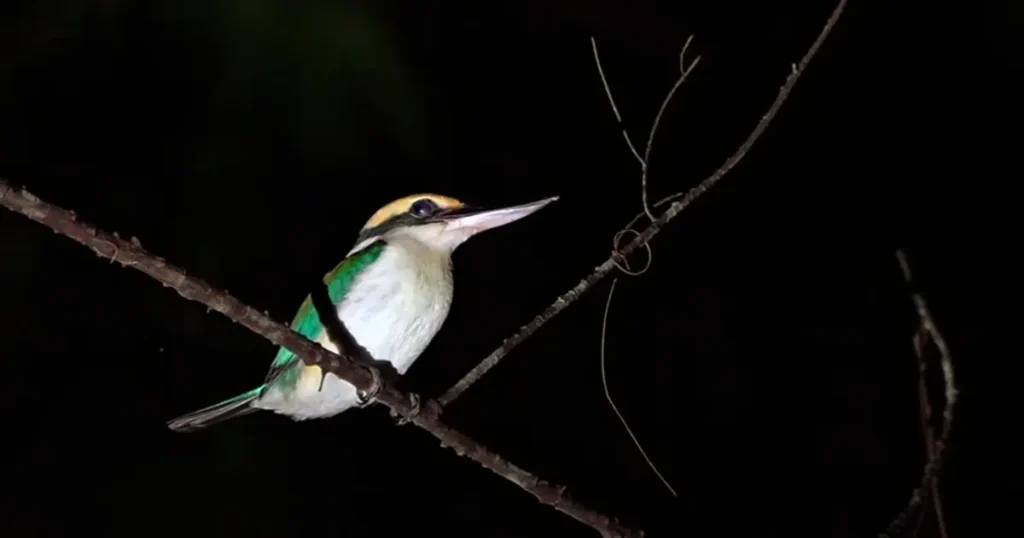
(764, 361)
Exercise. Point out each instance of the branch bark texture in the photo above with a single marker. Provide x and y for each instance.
(131, 254)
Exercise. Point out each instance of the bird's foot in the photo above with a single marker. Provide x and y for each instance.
(365, 397)
(414, 400)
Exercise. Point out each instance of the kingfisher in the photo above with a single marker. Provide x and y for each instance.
(392, 291)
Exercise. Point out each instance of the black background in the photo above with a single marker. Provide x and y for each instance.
(764, 360)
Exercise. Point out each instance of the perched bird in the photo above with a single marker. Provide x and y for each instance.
(392, 291)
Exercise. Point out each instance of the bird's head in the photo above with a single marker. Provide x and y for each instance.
(439, 222)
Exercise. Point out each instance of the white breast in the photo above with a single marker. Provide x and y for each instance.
(394, 309)
(398, 304)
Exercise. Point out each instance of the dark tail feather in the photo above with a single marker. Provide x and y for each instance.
(219, 412)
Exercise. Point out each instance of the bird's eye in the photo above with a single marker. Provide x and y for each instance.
(423, 208)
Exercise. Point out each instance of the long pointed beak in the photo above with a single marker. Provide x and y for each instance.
(475, 220)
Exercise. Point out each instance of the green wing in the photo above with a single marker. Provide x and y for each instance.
(339, 281)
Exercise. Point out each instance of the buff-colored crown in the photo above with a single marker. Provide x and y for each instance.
(403, 204)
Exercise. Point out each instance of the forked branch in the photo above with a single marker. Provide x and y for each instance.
(928, 333)
(645, 161)
(644, 237)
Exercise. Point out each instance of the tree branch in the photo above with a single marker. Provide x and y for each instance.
(935, 448)
(645, 236)
(131, 254)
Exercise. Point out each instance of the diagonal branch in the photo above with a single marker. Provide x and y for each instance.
(645, 236)
(131, 254)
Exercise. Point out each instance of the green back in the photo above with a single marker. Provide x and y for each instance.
(339, 281)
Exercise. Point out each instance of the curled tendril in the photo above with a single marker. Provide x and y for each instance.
(621, 262)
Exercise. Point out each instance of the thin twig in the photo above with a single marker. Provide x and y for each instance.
(611, 100)
(608, 394)
(925, 408)
(644, 237)
(928, 332)
(131, 254)
(646, 159)
(623, 266)
(657, 119)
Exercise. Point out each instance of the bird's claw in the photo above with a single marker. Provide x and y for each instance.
(414, 400)
(365, 397)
